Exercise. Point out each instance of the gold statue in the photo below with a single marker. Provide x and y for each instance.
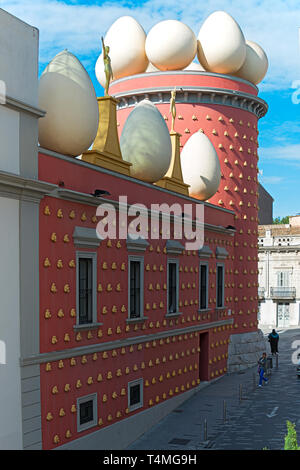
(173, 108)
(107, 66)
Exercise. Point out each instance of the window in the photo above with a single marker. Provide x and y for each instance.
(85, 291)
(220, 285)
(135, 288)
(86, 412)
(86, 288)
(203, 281)
(172, 286)
(283, 279)
(135, 394)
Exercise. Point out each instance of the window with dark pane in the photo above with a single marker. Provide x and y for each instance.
(86, 412)
(134, 394)
(135, 289)
(172, 287)
(220, 286)
(85, 290)
(203, 286)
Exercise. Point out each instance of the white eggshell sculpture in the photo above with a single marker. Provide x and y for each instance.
(67, 95)
(194, 66)
(256, 64)
(221, 44)
(145, 142)
(171, 45)
(126, 40)
(200, 166)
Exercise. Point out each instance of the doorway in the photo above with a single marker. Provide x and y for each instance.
(203, 357)
(283, 315)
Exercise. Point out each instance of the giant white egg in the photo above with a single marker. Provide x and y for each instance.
(126, 41)
(221, 44)
(67, 95)
(200, 166)
(145, 142)
(256, 64)
(171, 45)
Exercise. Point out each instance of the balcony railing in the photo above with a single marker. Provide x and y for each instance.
(283, 292)
(261, 292)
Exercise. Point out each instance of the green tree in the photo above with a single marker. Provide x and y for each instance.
(290, 440)
(283, 220)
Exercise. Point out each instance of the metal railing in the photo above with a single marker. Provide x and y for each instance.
(283, 292)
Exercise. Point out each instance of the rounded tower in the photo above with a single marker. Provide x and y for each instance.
(227, 109)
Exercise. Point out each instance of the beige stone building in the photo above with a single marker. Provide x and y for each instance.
(279, 274)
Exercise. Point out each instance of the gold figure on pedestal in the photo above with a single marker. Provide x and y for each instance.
(173, 108)
(106, 150)
(107, 66)
(173, 180)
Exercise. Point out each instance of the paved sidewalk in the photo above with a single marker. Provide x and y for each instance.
(253, 422)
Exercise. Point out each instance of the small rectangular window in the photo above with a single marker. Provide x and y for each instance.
(220, 286)
(135, 394)
(172, 287)
(86, 288)
(86, 412)
(203, 303)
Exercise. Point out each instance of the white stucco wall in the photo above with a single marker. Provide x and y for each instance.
(9, 138)
(10, 391)
(270, 263)
(19, 53)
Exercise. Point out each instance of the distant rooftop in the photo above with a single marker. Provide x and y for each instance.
(277, 230)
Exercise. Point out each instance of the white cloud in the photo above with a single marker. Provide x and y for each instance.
(286, 154)
(79, 27)
(270, 179)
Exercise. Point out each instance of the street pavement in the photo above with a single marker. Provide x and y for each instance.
(233, 413)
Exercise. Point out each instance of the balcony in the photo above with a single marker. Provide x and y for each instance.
(283, 292)
(261, 292)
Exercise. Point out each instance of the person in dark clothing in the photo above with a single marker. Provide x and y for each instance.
(273, 340)
(262, 368)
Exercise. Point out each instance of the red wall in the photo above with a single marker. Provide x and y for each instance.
(55, 218)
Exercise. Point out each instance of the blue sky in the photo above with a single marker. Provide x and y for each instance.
(79, 24)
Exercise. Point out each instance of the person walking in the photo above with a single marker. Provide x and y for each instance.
(262, 368)
(273, 339)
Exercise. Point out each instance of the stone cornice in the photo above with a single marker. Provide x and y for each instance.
(22, 106)
(25, 189)
(83, 198)
(195, 94)
(279, 249)
(108, 346)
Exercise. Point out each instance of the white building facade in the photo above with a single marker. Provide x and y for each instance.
(279, 274)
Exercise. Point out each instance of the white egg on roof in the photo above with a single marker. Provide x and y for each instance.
(221, 44)
(145, 142)
(171, 45)
(67, 95)
(126, 41)
(255, 65)
(200, 166)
